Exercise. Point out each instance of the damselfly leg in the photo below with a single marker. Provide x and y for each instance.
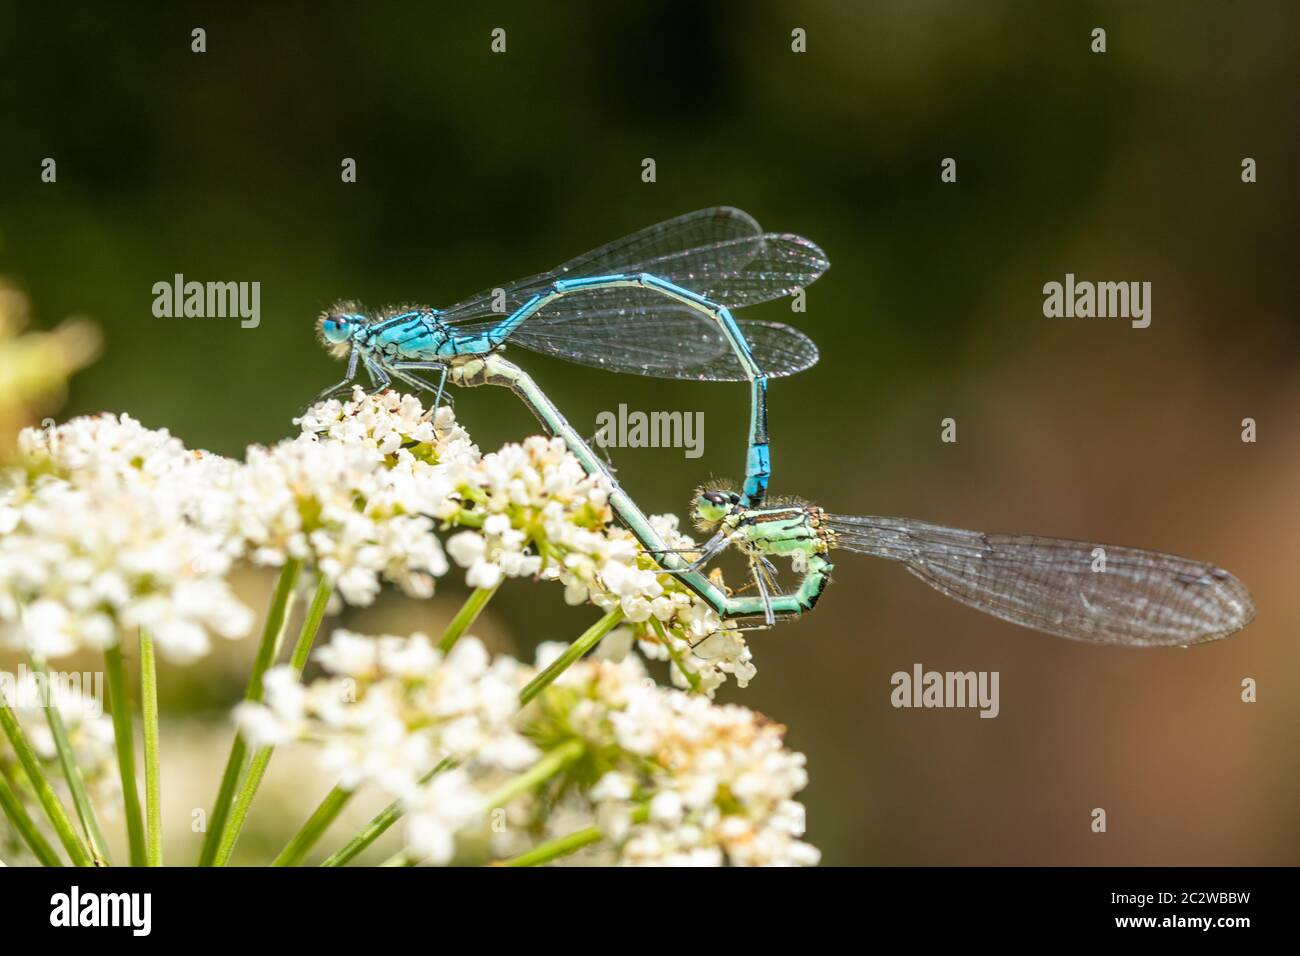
(707, 551)
(378, 377)
(403, 371)
(758, 569)
(345, 385)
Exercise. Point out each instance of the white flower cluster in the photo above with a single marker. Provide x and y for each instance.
(545, 517)
(352, 495)
(714, 784)
(107, 526)
(98, 536)
(670, 777)
(389, 711)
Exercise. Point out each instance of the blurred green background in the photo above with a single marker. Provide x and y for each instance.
(475, 168)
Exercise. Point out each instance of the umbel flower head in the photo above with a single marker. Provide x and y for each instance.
(663, 776)
(673, 778)
(107, 526)
(98, 535)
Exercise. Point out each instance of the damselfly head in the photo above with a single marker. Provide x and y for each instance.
(712, 504)
(336, 327)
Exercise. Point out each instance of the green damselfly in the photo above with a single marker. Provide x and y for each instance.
(1080, 590)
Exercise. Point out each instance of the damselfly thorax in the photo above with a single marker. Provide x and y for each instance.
(794, 531)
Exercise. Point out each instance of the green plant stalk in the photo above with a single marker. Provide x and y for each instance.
(378, 824)
(546, 768)
(272, 634)
(692, 677)
(570, 843)
(262, 756)
(589, 639)
(466, 616)
(371, 832)
(551, 764)
(243, 801)
(307, 837)
(71, 772)
(45, 794)
(315, 614)
(124, 738)
(152, 778)
(13, 808)
(554, 849)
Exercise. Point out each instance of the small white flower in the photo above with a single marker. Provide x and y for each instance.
(466, 547)
(483, 574)
(614, 786)
(350, 654)
(437, 811)
(615, 645)
(666, 807)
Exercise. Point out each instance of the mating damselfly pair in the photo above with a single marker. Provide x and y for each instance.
(658, 303)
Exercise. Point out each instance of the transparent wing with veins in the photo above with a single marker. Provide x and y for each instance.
(720, 253)
(1141, 598)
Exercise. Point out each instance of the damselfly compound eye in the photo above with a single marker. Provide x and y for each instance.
(335, 328)
(711, 507)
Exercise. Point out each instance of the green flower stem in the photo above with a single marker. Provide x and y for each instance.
(571, 843)
(692, 677)
(372, 831)
(315, 614)
(546, 768)
(152, 779)
(243, 801)
(45, 794)
(13, 808)
(272, 634)
(124, 737)
(466, 616)
(71, 772)
(554, 849)
(262, 756)
(398, 859)
(589, 639)
(315, 827)
(378, 824)
(555, 761)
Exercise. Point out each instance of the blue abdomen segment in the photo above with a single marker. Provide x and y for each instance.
(758, 470)
(758, 464)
